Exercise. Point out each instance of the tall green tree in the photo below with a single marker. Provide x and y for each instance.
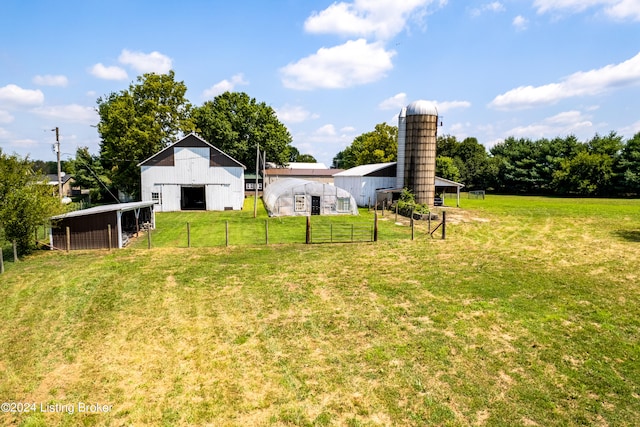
(586, 174)
(138, 122)
(89, 173)
(26, 201)
(377, 146)
(235, 123)
(628, 167)
(446, 168)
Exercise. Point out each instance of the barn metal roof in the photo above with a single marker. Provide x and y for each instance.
(122, 207)
(364, 170)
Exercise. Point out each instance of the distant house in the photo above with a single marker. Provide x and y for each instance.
(66, 180)
(192, 174)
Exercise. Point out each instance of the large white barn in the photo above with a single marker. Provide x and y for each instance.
(192, 174)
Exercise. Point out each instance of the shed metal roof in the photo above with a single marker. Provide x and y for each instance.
(122, 207)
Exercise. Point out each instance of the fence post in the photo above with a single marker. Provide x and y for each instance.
(375, 227)
(68, 239)
(351, 233)
(266, 231)
(188, 235)
(149, 238)
(1, 261)
(226, 233)
(444, 224)
(308, 239)
(384, 206)
(396, 212)
(109, 235)
(412, 226)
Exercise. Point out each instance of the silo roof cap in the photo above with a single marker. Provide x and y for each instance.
(421, 108)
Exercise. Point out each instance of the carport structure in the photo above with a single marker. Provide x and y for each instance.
(100, 227)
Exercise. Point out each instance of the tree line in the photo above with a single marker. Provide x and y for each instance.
(605, 165)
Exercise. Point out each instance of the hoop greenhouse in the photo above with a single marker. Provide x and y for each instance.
(299, 197)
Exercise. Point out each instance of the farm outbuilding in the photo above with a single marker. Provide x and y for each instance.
(370, 184)
(89, 228)
(292, 196)
(192, 174)
(363, 182)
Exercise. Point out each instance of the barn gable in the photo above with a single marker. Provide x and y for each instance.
(192, 174)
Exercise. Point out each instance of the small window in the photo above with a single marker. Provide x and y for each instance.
(344, 204)
(301, 203)
(156, 198)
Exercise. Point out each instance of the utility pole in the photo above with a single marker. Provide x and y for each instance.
(255, 200)
(57, 149)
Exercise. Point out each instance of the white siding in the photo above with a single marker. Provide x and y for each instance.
(363, 188)
(224, 186)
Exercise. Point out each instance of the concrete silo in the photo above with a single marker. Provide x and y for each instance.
(417, 133)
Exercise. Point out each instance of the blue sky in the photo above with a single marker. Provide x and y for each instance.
(331, 70)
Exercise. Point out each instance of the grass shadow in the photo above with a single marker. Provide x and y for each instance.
(628, 235)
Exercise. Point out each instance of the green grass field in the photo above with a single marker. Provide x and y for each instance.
(527, 314)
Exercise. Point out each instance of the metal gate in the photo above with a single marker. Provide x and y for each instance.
(340, 233)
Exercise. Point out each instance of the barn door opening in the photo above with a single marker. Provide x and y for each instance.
(192, 199)
(315, 205)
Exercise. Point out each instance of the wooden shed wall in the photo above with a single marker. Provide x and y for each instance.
(87, 232)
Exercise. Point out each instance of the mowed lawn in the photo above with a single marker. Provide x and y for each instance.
(527, 314)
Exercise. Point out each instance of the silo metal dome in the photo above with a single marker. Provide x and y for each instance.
(421, 108)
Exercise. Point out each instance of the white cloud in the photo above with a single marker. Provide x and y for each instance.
(495, 7)
(49, 80)
(582, 83)
(631, 130)
(381, 19)
(565, 123)
(13, 95)
(354, 63)
(294, 114)
(108, 73)
(396, 102)
(520, 23)
(153, 62)
(624, 9)
(445, 106)
(326, 130)
(224, 86)
(5, 117)
(70, 113)
(617, 9)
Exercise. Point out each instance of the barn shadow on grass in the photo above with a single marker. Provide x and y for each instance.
(628, 235)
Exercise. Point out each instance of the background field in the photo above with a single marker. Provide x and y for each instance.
(528, 314)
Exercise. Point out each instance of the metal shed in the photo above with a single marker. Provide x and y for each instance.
(89, 228)
(364, 181)
(292, 196)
